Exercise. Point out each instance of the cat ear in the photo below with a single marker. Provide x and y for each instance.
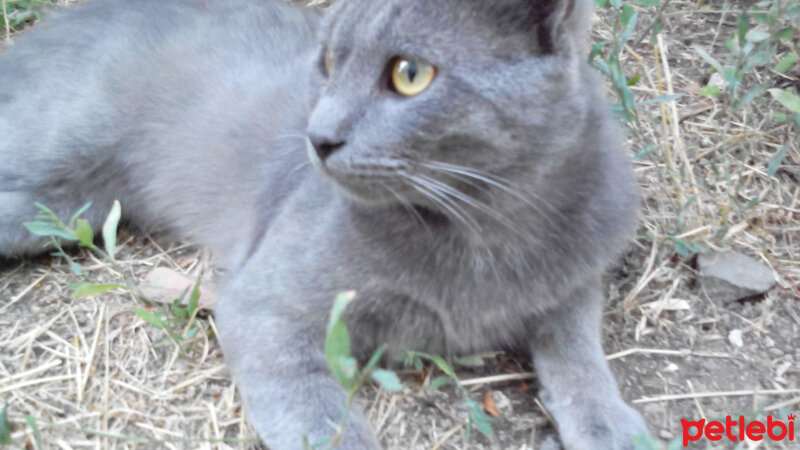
(561, 24)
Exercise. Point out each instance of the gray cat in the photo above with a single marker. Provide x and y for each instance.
(465, 179)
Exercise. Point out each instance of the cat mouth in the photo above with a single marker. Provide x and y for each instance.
(394, 183)
(368, 182)
(368, 189)
(393, 193)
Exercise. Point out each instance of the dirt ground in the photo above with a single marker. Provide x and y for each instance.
(90, 373)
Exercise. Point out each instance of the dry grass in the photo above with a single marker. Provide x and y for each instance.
(94, 375)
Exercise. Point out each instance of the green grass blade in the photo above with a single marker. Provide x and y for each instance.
(110, 229)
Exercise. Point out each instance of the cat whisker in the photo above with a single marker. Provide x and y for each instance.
(286, 153)
(291, 150)
(473, 202)
(500, 184)
(460, 212)
(477, 175)
(299, 167)
(407, 205)
(544, 207)
(442, 200)
(471, 224)
(290, 136)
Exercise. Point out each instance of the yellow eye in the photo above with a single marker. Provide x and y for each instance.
(411, 77)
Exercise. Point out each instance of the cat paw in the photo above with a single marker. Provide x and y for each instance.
(590, 425)
(550, 443)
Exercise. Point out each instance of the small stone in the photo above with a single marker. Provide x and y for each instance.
(671, 367)
(162, 285)
(775, 352)
(666, 435)
(730, 276)
(502, 402)
(718, 81)
(735, 338)
(653, 408)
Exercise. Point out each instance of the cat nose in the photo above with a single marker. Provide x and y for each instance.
(325, 146)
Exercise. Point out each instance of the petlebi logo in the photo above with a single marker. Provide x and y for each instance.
(739, 429)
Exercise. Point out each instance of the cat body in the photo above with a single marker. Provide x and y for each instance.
(476, 215)
(131, 100)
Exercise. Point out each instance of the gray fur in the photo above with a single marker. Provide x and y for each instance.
(478, 215)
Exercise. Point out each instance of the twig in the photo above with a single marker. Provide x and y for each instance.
(5, 20)
(696, 401)
(783, 404)
(90, 356)
(27, 289)
(13, 387)
(665, 398)
(42, 368)
(186, 383)
(632, 351)
(676, 130)
(647, 276)
(498, 378)
(448, 435)
(646, 31)
(655, 351)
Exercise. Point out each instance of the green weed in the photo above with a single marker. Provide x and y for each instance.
(5, 426)
(760, 50)
(751, 76)
(476, 416)
(605, 57)
(762, 40)
(176, 320)
(345, 367)
(17, 13)
(77, 230)
(33, 423)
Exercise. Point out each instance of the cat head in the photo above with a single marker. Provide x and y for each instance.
(424, 101)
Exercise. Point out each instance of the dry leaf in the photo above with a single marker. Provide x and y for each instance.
(489, 406)
(163, 285)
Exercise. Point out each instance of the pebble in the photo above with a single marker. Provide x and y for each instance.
(730, 276)
(735, 338)
(775, 352)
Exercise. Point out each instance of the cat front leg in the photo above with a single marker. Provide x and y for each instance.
(578, 388)
(15, 239)
(276, 356)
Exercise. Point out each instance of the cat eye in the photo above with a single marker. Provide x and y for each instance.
(411, 76)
